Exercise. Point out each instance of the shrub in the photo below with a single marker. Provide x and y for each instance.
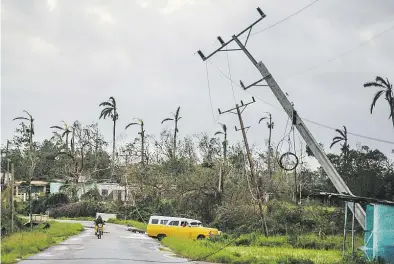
(79, 209)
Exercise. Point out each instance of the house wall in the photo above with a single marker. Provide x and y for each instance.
(54, 187)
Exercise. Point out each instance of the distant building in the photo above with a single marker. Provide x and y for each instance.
(38, 188)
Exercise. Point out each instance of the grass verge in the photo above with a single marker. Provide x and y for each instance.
(23, 244)
(133, 223)
(253, 254)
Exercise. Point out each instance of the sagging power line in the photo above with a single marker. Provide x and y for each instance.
(297, 121)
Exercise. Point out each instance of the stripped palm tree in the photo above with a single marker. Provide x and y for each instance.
(110, 110)
(222, 172)
(175, 118)
(66, 131)
(30, 131)
(386, 88)
(224, 143)
(142, 134)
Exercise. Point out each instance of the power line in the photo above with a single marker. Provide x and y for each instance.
(210, 96)
(286, 18)
(276, 23)
(307, 120)
(229, 72)
(343, 54)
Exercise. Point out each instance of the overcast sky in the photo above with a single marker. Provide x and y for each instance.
(60, 59)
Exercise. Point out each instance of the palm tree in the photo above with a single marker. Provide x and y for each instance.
(224, 143)
(66, 131)
(386, 88)
(142, 133)
(175, 118)
(110, 110)
(341, 138)
(270, 126)
(30, 131)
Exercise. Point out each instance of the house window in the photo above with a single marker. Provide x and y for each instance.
(104, 192)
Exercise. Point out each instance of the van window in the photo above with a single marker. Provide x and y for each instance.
(155, 221)
(174, 223)
(184, 223)
(163, 222)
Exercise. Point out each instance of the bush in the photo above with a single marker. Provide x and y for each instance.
(79, 209)
(24, 244)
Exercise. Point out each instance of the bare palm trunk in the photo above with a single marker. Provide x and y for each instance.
(113, 148)
(175, 132)
(142, 144)
(392, 109)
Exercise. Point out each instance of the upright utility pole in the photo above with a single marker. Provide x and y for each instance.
(256, 181)
(12, 196)
(328, 167)
(6, 158)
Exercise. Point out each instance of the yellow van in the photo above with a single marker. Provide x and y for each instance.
(163, 226)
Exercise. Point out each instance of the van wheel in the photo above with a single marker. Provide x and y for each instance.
(160, 237)
(201, 237)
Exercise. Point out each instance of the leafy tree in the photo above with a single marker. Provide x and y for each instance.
(175, 118)
(111, 110)
(386, 88)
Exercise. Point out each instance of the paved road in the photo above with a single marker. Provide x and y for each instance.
(117, 246)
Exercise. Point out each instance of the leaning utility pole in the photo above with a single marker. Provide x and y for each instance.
(256, 181)
(328, 167)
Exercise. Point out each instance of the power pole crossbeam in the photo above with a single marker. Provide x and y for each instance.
(328, 167)
(224, 44)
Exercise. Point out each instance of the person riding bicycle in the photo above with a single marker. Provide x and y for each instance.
(98, 221)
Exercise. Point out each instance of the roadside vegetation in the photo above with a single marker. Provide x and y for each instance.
(133, 223)
(22, 244)
(203, 176)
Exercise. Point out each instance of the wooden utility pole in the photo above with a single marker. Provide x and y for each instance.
(250, 159)
(6, 158)
(12, 196)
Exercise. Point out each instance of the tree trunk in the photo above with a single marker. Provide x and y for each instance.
(113, 146)
(175, 132)
(392, 109)
(142, 144)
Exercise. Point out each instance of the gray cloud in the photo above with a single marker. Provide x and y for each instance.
(60, 59)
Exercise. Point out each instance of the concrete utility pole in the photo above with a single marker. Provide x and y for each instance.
(250, 159)
(328, 167)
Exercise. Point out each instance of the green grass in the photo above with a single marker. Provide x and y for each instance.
(308, 241)
(133, 223)
(25, 243)
(252, 254)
